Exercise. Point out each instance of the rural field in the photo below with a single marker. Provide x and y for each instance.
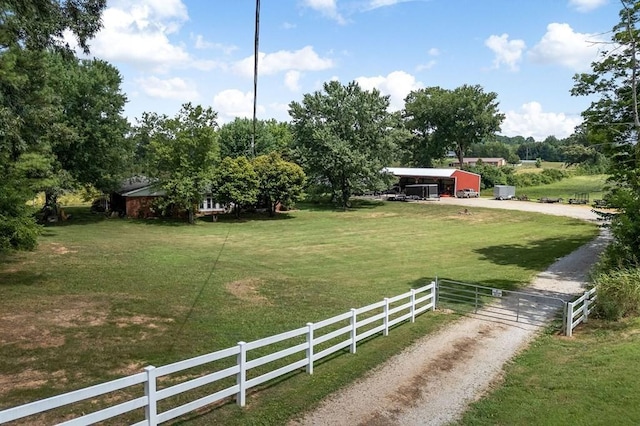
(102, 298)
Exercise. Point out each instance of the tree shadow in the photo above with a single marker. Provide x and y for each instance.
(330, 207)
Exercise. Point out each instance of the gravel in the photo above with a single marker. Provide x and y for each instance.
(434, 381)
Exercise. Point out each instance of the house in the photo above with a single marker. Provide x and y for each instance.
(137, 195)
(472, 161)
(449, 181)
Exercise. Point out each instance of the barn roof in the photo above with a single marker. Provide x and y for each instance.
(420, 172)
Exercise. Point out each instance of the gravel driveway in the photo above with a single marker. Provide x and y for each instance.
(433, 381)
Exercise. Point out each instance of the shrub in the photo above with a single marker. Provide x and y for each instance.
(618, 293)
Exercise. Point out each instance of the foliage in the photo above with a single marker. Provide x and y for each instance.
(613, 122)
(279, 181)
(31, 110)
(235, 182)
(545, 177)
(344, 137)
(443, 119)
(271, 136)
(618, 293)
(182, 153)
(491, 176)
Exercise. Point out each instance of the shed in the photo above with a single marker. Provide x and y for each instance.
(448, 180)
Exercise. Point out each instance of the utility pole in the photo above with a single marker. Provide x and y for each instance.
(255, 78)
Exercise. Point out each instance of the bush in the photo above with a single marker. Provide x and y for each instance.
(618, 293)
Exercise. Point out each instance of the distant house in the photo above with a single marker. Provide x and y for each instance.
(136, 196)
(449, 181)
(472, 161)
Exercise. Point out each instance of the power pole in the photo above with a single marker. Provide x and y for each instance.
(255, 77)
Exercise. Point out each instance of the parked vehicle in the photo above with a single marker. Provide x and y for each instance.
(504, 192)
(467, 193)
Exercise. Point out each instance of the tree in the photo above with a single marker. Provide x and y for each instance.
(94, 149)
(29, 107)
(271, 136)
(182, 154)
(614, 122)
(451, 119)
(344, 136)
(235, 182)
(279, 181)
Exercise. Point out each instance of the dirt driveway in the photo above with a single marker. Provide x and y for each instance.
(433, 381)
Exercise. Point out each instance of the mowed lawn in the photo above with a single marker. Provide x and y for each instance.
(102, 298)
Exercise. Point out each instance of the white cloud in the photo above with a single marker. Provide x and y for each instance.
(233, 103)
(397, 85)
(137, 33)
(375, 4)
(587, 5)
(427, 66)
(434, 51)
(305, 59)
(563, 46)
(292, 80)
(328, 8)
(172, 88)
(200, 43)
(532, 121)
(507, 52)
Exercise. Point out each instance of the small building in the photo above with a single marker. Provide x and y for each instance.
(489, 161)
(449, 181)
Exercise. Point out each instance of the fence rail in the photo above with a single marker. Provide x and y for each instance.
(351, 327)
(578, 311)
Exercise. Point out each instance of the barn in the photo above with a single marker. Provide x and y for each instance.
(448, 180)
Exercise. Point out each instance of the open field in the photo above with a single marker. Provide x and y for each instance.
(592, 378)
(567, 188)
(102, 298)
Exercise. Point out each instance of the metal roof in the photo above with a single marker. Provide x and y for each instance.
(420, 172)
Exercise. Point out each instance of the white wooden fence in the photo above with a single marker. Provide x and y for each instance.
(578, 311)
(238, 370)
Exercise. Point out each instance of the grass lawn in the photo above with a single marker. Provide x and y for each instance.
(102, 298)
(567, 188)
(592, 378)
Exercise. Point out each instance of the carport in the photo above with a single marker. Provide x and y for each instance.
(448, 180)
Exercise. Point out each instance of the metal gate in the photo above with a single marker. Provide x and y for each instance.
(506, 305)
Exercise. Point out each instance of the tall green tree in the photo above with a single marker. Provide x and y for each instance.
(29, 106)
(344, 136)
(271, 136)
(442, 119)
(279, 181)
(235, 182)
(95, 149)
(613, 122)
(182, 153)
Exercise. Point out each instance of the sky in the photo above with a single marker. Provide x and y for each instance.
(201, 51)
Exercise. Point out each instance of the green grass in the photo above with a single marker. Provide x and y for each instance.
(592, 379)
(102, 298)
(567, 188)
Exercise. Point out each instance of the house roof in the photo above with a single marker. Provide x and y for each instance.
(420, 172)
(133, 183)
(146, 191)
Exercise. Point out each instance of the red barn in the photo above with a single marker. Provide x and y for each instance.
(448, 180)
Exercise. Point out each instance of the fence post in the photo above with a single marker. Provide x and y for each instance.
(354, 329)
(241, 378)
(385, 330)
(476, 301)
(585, 306)
(434, 294)
(568, 328)
(413, 305)
(310, 347)
(151, 409)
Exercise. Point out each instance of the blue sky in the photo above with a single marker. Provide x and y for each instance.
(201, 51)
